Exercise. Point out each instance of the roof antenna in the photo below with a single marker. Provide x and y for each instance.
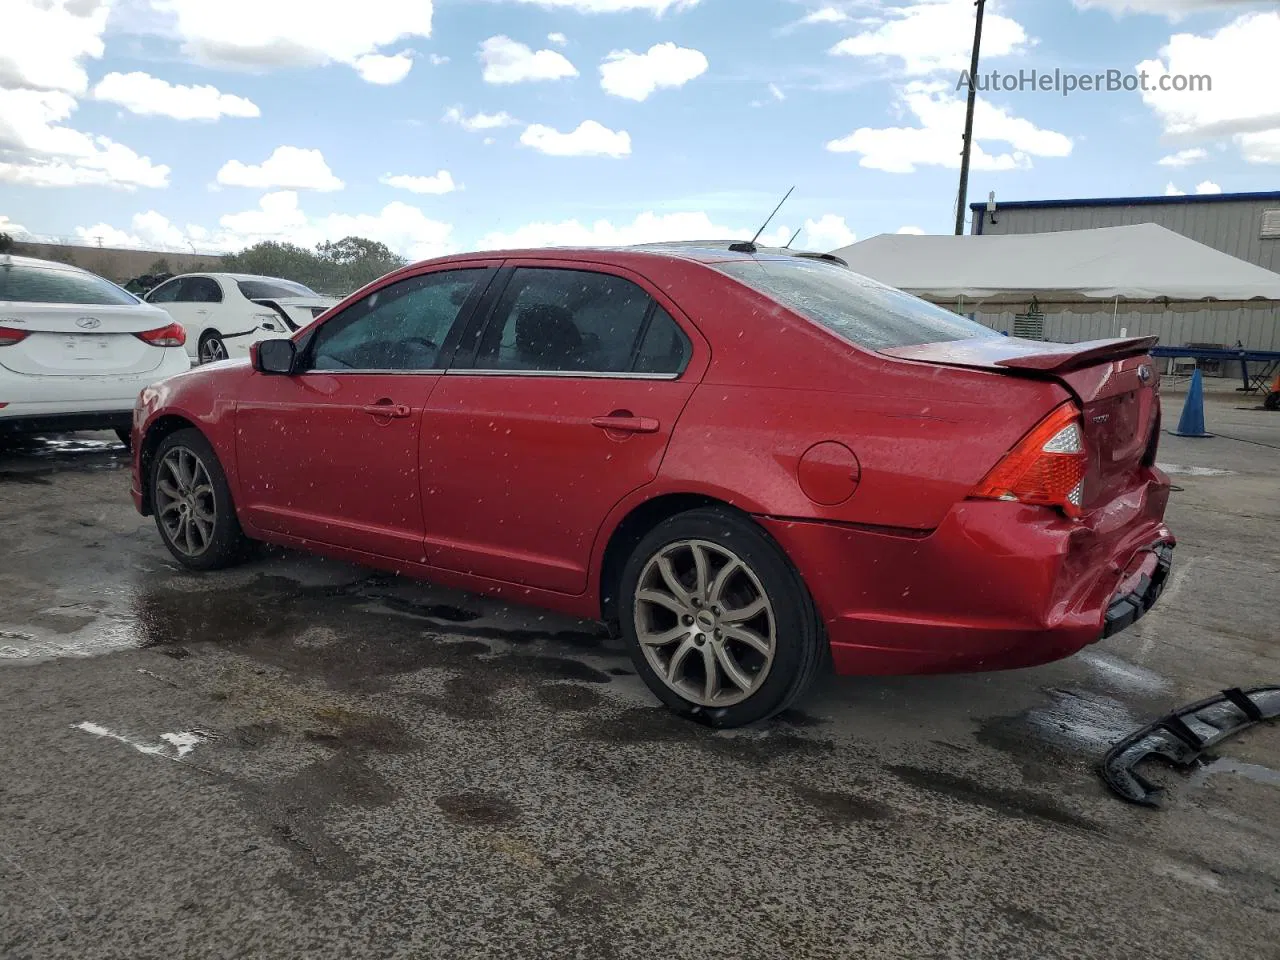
(750, 245)
(793, 239)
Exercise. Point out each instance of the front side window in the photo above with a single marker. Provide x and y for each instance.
(400, 327)
(23, 283)
(565, 321)
(857, 308)
(167, 292)
(199, 290)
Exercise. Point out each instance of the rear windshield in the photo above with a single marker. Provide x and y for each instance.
(266, 289)
(859, 309)
(23, 283)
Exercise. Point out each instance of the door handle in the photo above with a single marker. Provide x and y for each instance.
(615, 423)
(385, 409)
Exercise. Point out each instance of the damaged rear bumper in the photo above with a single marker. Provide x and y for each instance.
(1182, 736)
(1140, 590)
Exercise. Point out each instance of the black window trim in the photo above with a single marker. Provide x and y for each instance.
(306, 343)
(464, 361)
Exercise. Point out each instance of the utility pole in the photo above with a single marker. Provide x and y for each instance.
(963, 202)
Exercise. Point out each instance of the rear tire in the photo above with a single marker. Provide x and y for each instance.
(1272, 402)
(708, 592)
(125, 437)
(211, 348)
(192, 504)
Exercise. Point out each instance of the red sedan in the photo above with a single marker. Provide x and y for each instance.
(740, 460)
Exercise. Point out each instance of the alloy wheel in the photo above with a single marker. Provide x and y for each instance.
(184, 501)
(705, 623)
(212, 350)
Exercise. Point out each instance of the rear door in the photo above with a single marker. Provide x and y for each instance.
(75, 324)
(193, 302)
(331, 453)
(563, 406)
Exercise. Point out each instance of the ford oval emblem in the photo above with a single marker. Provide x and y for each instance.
(88, 323)
(1144, 373)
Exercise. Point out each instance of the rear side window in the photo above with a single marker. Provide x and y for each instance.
(857, 308)
(165, 293)
(567, 321)
(27, 284)
(266, 289)
(199, 290)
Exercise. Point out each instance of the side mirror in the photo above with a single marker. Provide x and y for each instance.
(274, 356)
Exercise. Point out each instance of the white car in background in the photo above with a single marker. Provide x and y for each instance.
(224, 313)
(76, 350)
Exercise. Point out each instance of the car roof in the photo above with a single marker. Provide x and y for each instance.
(233, 276)
(698, 251)
(16, 260)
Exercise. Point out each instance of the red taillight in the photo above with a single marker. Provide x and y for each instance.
(171, 336)
(1047, 467)
(9, 336)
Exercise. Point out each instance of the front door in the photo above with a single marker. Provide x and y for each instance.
(331, 453)
(566, 407)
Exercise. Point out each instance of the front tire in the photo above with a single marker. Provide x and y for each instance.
(192, 503)
(718, 622)
(212, 348)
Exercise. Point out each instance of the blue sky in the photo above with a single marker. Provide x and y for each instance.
(185, 123)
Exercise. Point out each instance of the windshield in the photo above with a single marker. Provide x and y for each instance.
(859, 309)
(264, 289)
(25, 283)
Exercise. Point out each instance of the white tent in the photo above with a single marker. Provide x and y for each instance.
(1087, 269)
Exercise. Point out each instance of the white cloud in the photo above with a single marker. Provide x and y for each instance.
(1184, 158)
(637, 75)
(478, 121)
(825, 15)
(590, 139)
(559, 39)
(1241, 102)
(912, 231)
(1208, 186)
(648, 227)
(404, 228)
(437, 60)
(656, 7)
(1172, 191)
(40, 152)
(383, 69)
(11, 228)
(43, 42)
(144, 94)
(507, 61)
(1173, 9)
(828, 232)
(1261, 147)
(150, 230)
(438, 183)
(933, 35)
(289, 168)
(937, 140)
(291, 33)
(775, 91)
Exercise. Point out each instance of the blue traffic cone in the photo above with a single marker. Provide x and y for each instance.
(1191, 423)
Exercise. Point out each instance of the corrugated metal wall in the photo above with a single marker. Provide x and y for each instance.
(1258, 329)
(1233, 227)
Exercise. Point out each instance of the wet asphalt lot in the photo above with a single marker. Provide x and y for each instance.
(304, 759)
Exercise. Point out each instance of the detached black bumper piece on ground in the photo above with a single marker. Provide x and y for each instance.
(1182, 736)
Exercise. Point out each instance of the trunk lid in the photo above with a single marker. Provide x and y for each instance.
(1113, 381)
(81, 340)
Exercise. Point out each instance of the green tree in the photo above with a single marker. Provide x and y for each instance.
(336, 268)
(6, 243)
(357, 261)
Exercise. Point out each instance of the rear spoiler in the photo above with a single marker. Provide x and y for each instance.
(1076, 355)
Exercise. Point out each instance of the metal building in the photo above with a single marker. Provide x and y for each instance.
(1244, 225)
